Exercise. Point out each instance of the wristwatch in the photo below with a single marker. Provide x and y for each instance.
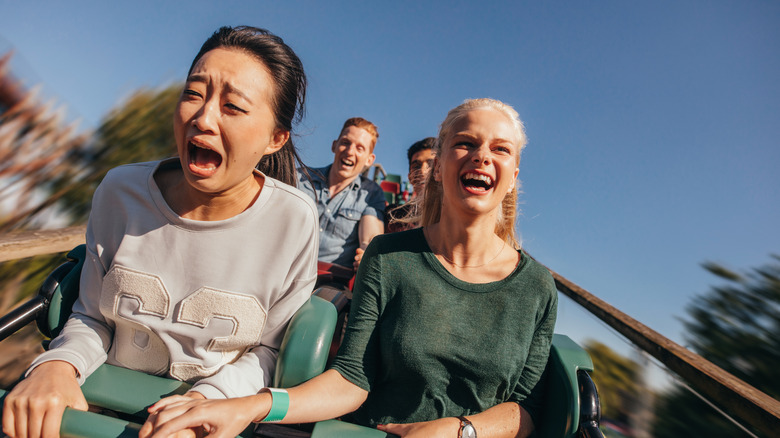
(466, 428)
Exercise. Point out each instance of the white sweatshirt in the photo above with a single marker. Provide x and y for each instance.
(205, 302)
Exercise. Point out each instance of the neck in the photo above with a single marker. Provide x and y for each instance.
(336, 184)
(189, 203)
(470, 243)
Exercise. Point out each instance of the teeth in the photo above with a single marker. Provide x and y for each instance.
(199, 146)
(347, 162)
(488, 180)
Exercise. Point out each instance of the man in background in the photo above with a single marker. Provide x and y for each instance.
(421, 156)
(351, 207)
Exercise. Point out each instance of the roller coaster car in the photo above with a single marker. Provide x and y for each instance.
(571, 407)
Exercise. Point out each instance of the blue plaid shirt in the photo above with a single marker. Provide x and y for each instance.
(340, 215)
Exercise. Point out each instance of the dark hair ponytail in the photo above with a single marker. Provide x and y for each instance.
(289, 88)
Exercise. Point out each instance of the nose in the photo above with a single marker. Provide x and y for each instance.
(205, 119)
(481, 155)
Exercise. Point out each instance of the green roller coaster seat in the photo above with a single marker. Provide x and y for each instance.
(561, 412)
(64, 295)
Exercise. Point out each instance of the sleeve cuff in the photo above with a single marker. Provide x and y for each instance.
(208, 391)
(70, 358)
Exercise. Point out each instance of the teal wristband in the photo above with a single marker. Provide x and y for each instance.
(280, 403)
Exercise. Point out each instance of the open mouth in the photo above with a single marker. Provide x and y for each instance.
(203, 161)
(347, 163)
(476, 182)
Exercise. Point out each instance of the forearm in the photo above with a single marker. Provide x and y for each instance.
(505, 420)
(326, 396)
(369, 227)
(83, 344)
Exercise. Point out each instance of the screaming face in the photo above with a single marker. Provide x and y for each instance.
(224, 122)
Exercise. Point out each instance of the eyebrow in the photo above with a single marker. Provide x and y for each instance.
(195, 77)
(231, 89)
(473, 137)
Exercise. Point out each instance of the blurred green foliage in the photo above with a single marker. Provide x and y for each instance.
(138, 130)
(618, 379)
(28, 273)
(736, 326)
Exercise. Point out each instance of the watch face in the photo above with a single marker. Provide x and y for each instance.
(468, 432)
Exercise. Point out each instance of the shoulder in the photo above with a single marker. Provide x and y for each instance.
(130, 172)
(400, 242)
(127, 178)
(539, 275)
(290, 200)
(369, 184)
(305, 174)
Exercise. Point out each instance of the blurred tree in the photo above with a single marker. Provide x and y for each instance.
(737, 327)
(35, 143)
(138, 130)
(618, 379)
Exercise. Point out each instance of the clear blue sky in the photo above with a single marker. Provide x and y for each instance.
(653, 126)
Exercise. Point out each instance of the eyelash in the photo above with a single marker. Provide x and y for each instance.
(233, 107)
(230, 106)
(501, 149)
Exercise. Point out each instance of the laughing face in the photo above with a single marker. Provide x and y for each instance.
(352, 153)
(477, 166)
(224, 122)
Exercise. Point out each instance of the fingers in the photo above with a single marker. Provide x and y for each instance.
(146, 428)
(171, 418)
(32, 418)
(358, 257)
(36, 412)
(34, 408)
(9, 418)
(168, 401)
(50, 426)
(79, 402)
(186, 433)
(393, 428)
(174, 427)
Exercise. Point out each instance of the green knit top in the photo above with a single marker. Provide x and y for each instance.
(427, 345)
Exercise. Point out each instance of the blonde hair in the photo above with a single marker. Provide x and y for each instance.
(427, 208)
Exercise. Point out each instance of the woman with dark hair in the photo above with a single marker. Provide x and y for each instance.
(164, 289)
(451, 324)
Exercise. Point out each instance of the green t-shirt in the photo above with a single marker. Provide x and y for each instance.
(427, 345)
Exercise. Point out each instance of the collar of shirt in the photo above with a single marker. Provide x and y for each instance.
(320, 177)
